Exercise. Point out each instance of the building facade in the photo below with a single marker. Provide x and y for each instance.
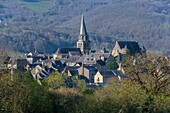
(124, 47)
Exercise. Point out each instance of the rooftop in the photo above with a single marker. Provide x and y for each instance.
(107, 73)
(75, 51)
(132, 46)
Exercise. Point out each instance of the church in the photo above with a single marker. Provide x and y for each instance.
(84, 53)
(83, 45)
(82, 60)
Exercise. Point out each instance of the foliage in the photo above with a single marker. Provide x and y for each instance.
(70, 81)
(20, 96)
(88, 91)
(151, 72)
(55, 80)
(27, 96)
(81, 85)
(112, 64)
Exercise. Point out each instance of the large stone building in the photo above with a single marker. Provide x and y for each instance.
(122, 47)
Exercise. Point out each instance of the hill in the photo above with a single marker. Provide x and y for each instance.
(45, 25)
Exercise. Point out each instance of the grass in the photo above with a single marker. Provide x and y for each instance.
(38, 7)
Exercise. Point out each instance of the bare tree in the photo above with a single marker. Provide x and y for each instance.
(151, 72)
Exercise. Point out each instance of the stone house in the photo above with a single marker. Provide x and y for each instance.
(39, 73)
(65, 53)
(100, 65)
(88, 72)
(103, 77)
(122, 47)
(73, 73)
(69, 68)
(36, 57)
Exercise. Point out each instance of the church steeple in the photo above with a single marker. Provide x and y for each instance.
(83, 30)
(83, 43)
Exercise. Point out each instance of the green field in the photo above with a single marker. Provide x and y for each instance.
(38, 7)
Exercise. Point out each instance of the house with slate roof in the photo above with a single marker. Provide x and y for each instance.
(68, 68)
(66, 53)
(100, 65)
(73, 73)
(88, 72)
(35, 57)
(91, 58)
(102, 77)
(122, 47)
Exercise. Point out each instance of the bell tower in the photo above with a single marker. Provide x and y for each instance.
(83, 41)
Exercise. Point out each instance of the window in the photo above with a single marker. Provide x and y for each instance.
(98, 79)
(80, 45)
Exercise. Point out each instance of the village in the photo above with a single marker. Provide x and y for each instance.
(83, 61)
(84, 56)
(87, 80)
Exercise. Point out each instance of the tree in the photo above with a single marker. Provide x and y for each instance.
(22, 95)
(151, 72)
(112, 64)
(55, 80)
(81, 85)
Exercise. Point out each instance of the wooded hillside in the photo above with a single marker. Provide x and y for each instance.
(45, 25)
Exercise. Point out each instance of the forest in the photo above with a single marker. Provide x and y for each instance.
(45, 25)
